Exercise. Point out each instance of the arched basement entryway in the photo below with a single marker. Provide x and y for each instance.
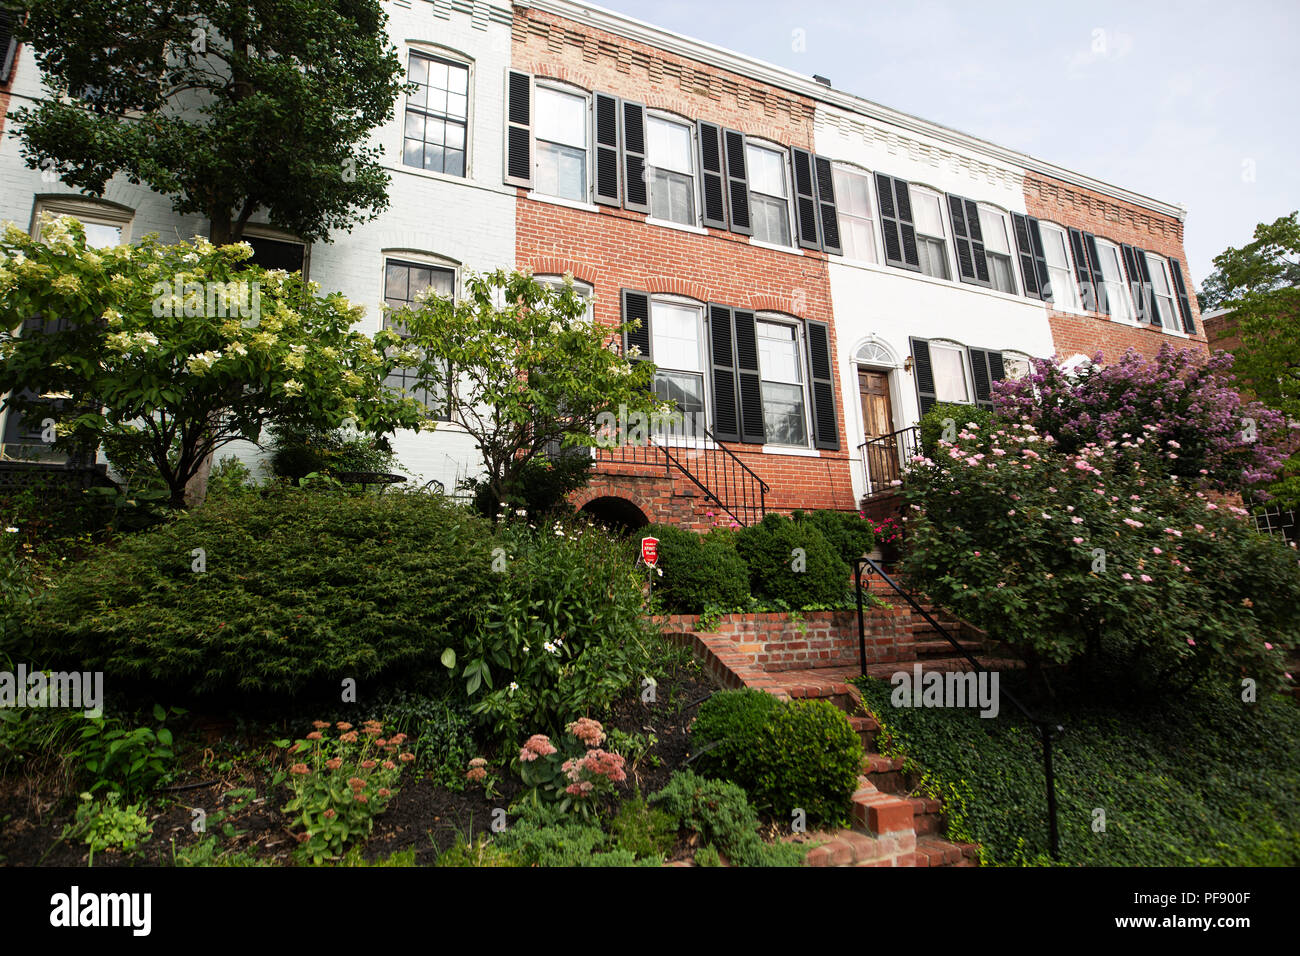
(617, 513)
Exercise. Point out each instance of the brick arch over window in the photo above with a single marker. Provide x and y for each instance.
(786, 305)
(675, 286)
(557, 267)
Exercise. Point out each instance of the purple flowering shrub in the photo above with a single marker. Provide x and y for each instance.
(1210, 434)
(1090, 551)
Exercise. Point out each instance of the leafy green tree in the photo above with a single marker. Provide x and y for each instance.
(530, 371)
(1260, 284)
(226, 107)
(178, 350)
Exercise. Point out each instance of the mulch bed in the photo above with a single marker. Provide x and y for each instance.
(422, 816)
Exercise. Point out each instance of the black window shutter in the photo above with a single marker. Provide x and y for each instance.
(1148, 290)
(636, 307)
(1180, 289)
(1082, 271)
(519, 129)
(924, 374)
(987, 368)
(737, 182)
(713, 177)
(830, 217)
(805, 198)
(605, 120)
(826, 430)
(895, 203)
(636, 193)
(1025, 251)
(968, 238)
(749, 378)
(1100, 294)
(722, 357)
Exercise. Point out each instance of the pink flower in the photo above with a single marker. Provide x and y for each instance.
(1145, 578)
(1126, 576)
(587, 730)
(538, 745)
(1191, 642)
(1156, 551)
(1268, 646)
(1078, 540)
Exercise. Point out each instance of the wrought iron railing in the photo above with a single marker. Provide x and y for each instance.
(1047, 730)
(715, 469)
(883, 458)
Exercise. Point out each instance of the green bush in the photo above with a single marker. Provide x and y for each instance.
(777, 569)
(727, 727)
(720, 813)
(646, 832)
(934, 422)
(298, 590)
(698, 570)
(229, 479)
(847, 532)
(559, 844)
(540, 487)
(297, 452)
(439, 734)
(787, 755)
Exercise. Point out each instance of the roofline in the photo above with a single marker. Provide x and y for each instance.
(713, 55)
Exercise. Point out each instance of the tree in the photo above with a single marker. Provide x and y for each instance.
(225, 107)
(1269, 263)
(1260, 285)
(177, 350)
(530, 372)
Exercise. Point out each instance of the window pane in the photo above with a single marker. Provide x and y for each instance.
(1013, 367)
(783, 414)
(771, 219)
(994, 227)
(857, 239)
(778, 352)
(766, 171)
(458, 79)
(561, 117)
(949, 374)
(852, 194)
(1117, 297)
(100, 236)
(933, 257)
(668, 145)
(676, 337)
(562, 171)
(926, 213)
(687, 390)
(1000, 273)
(672, 197)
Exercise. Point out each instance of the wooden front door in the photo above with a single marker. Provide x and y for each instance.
(878, 420)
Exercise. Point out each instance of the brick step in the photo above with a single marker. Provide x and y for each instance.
(935, 851)
(927, 816)
(932, 647)
(885, 773)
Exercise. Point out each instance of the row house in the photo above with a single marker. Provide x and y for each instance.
(811, 271)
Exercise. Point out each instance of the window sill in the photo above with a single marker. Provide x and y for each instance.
(792, 450)
(561, 201)
(434, 174)
(679, 226)
(697, 444)
(792, 250)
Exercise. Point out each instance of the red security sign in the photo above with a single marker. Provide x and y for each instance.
(650, 551)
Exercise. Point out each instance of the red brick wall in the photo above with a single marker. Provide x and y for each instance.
(614, 249)
(1223, 333)
(1120, 222)
(6, 90)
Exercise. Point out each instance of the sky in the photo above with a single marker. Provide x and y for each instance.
(1191, 102)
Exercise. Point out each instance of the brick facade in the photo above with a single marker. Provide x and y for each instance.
(1068, 205)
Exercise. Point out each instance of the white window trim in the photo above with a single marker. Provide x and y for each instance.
(788, 173)
(801, 359)
(1124, 291)
(1152, 259)
(696, 203)
(412, 257)
(438, 52)
(83, 210)
(964, 352)
(701, 312)
(872, 206)
(1011, 244)
(559, 86)
(1076, 306)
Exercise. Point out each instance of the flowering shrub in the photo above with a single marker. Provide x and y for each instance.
(575, 774)
(887, 531)
(1209, 433)
(340, 785)
(1098, 552)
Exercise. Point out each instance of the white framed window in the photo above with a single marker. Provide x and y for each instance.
(1162, 287)
(1112, 276)
(274, 249)
(561, 131)
(105, 225)
(781, 366)
(437, 115)
(1015, 365)
(931, 238)
(677, 343)
(997, 249)
(670, 158)
(769, 194)
(857, 226)
(951, 380)
(406, 281)
(1056, 249)
(584, 290)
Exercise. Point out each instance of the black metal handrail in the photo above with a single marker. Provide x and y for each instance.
(1046, 729)
(883, 457)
